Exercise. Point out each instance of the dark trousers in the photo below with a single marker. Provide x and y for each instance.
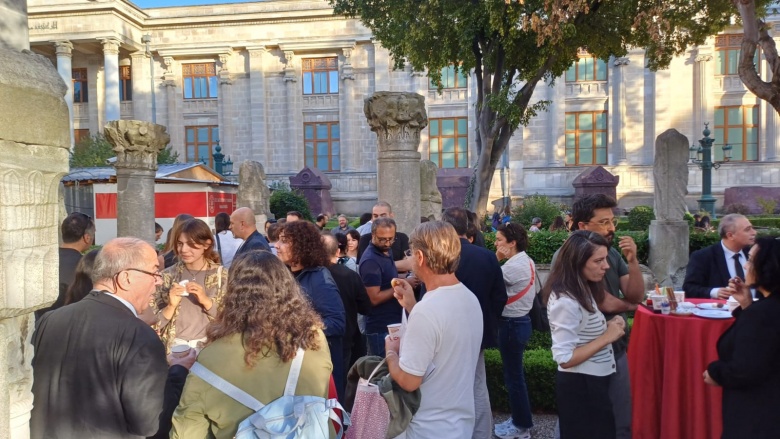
(584, 407)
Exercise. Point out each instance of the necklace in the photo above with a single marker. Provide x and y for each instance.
(192, 275)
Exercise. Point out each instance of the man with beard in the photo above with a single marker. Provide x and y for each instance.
(626, 288)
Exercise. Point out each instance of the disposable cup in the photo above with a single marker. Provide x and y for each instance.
(180, 350)
(679, 296)
(657, 298)
(732, 304)
(394, 331)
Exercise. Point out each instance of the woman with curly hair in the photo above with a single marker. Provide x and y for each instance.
(300, 247)
(191, 289)
(263, 321)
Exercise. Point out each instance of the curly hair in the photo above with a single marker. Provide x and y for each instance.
(264, 303)
(198, 233)
(305, 243)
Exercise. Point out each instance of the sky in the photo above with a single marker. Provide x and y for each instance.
(164, 3)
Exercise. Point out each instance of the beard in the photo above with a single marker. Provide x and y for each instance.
(610, 237)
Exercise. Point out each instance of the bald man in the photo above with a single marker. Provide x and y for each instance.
(244, 226)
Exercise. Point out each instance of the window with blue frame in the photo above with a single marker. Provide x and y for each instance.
(200, 81)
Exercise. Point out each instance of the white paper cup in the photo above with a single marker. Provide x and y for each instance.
(657, 298)
(394, 331)
(732, 304)
(679, 296)
(180, 350)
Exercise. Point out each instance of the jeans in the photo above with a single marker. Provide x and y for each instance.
(376, 344)
(513, 335)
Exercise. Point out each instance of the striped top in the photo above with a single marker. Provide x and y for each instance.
(517, 276)
(573, 326)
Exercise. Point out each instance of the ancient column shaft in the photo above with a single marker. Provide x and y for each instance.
(64, 68)
(397, 119)
(136, 144)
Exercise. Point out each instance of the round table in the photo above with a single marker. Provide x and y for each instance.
(667, 356)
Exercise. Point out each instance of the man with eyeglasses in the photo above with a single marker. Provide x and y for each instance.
(626, 288)
(400, 244)
(377, 270)
(99, 371)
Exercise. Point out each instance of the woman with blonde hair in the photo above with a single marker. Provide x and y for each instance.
(264, 319)
(191, 289)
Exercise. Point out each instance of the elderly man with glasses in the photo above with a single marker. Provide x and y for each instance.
(625, 286)
(99, 371)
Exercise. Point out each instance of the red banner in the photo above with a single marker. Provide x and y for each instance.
(166, 204)
(221, 202)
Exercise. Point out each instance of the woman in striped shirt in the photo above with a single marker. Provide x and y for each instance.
(582, 337)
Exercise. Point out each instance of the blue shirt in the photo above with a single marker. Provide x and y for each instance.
(377, 269)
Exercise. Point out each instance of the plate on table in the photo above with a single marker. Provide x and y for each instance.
(712, 305)
(712, 313)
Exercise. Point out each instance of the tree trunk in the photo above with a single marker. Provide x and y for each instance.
(754, 35)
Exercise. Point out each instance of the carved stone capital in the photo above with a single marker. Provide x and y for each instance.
(397, 119)
(347, 73)
(703, 57)
(347, 51)
(621, 62)
(136, 143)
(257, 52)
(63, 48)
(224, 59)
(168, 61)
(289, 57)
(110, 45)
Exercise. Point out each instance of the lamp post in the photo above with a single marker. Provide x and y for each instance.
(702, 157)
(222, 166)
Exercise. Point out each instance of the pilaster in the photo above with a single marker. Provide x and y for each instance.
(64, 51)
(225, 102)
(346, 121)
(111, 78)
(293, 93)
(258, 105)
(619, 112)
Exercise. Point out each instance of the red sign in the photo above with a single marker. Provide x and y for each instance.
(166, 204)
(221, 202)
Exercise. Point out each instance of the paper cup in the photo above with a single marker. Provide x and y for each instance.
(180, 350)
(732, 304)
(679, 296)
(394, 331)
(657, 298)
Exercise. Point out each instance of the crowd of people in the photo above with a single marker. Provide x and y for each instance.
(112, 356)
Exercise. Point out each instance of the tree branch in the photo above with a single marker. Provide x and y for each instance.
(755, 31)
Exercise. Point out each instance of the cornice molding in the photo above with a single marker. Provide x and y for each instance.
(193, 50)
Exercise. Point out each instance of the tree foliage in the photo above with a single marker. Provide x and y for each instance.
(95, 150)
(512, 45)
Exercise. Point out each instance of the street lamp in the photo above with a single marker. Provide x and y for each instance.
(222, 166)
(702, 157)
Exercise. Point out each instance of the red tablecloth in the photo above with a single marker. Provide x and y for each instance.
(667, 356)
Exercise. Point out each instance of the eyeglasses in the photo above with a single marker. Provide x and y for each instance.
(386, 240)
(155, 275)
(605, 222)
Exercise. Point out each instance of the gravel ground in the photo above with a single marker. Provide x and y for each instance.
(544, 425)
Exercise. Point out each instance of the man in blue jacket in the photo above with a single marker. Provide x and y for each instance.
(244, 226)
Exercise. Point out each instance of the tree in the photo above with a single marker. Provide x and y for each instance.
(512, 45)
(95, 151)
(756, 35)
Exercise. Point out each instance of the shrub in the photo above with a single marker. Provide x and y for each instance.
(539, 340)
(642, 240)
(539, 369)
(690, 219)
(536, 206)
(639, 217)
(737, 208)
(699, 239)
(768, 205)
(284, 200)
(355, 223)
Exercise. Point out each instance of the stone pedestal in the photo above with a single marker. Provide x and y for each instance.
(669, 252)
(397, 118)
(253, 191)
(315, 186)
(136, 144)
(34, 139)
(430, 197)
(595, 180)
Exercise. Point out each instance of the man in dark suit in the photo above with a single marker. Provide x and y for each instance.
(480, 272)
(78, 234)
(244, 226)
(99, 371)
(710, 268)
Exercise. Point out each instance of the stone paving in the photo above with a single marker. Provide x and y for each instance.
(544, 424)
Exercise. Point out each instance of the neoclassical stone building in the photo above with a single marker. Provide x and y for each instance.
(283, 82)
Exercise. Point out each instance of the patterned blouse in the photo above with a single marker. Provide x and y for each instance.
(190, 320)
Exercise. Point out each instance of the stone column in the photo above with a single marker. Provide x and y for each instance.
(702, 113)
(397, 119)
(346, 104)
(35, 137)
(136, 144)
(111, 78)
(225, 119)
(142, 90)
(257, 104)
(169, 81)
(292, 91)
(619, 112)
(64, 57)
(551, 148)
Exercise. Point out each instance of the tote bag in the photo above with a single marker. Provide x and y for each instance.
(370, 415)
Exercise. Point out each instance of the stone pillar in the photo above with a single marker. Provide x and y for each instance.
(669, 232)
(136, 144)
(292, 92)
(346, 104)
(35, 138)
(257, 104)
(142, 90)
(225, 119)
(111, 78)
(64, 57)
(253, 191)
(702, 112)
(169, 81)
(430, 196)
(619, 112)
(397, 119)
(551, 148)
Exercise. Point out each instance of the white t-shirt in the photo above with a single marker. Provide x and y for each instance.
(445, 330)
(228, 245)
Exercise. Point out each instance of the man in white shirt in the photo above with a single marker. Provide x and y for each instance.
(710, 268)
(439, 350)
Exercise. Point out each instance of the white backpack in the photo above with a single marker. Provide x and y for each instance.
(288, 417)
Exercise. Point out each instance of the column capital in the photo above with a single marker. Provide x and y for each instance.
(63, 48)
(136, 143)
(397, 119)
(168, 61)
(704, 57)
(621, 62)
(289, 67)
(224, 59)
(110, 45)
(346, 69)
(137, 56)
(256, 51)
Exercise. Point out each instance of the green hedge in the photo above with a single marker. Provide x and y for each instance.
(537, 206)
(283, 201)
(769, 222)
(539, 369)
(639, 217)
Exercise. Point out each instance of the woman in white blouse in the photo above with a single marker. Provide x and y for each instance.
(514, 326)
(581, 337)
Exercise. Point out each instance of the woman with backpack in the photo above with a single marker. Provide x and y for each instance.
(264, 320)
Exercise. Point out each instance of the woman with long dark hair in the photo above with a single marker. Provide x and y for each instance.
(191, 289)
(82, 280)
(263, 321)
(582, 337)
(749, 351)
(558, 224)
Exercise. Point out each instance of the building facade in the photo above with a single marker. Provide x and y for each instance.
(283, 82)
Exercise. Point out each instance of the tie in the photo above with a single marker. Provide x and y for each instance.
(738, 266)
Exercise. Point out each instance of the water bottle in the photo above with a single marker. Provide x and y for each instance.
(665, 306)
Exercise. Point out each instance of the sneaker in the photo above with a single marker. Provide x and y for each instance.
(512, 432)
(502, 427)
